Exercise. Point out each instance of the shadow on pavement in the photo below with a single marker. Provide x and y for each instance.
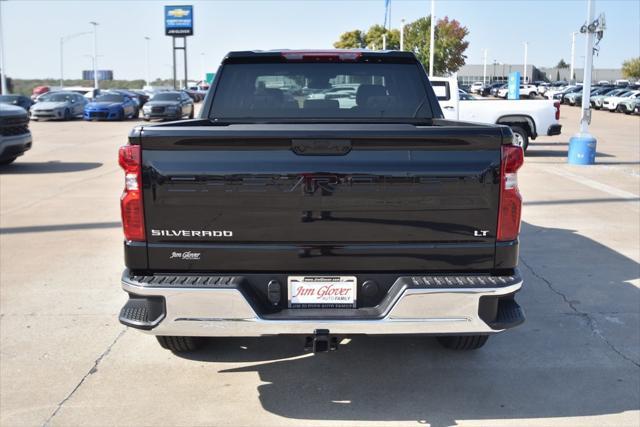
(555, 365)
(532, 152)
(56, 166)
(60, 227)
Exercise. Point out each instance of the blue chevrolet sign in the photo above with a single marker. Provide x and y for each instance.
(514, 85)
(178, 20)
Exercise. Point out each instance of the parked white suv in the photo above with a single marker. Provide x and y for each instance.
(611, 102)
(526, 91)
(476, 87)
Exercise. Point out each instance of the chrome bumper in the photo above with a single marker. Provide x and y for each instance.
(226, 312)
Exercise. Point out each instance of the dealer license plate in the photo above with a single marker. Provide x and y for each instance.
(322, 291)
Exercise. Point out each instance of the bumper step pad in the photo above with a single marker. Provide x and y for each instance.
(509, 314)
(142, 312)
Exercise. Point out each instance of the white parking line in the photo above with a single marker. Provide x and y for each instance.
(593, 184)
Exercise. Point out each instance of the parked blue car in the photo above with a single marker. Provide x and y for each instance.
(111, 106)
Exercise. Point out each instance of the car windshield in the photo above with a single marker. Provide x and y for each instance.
(613, 92)
(166, 96)
(339, 90)
(55, 97)
(9, 98)
(110, 98)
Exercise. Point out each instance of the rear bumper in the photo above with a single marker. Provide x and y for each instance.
(218, 306)
(14, 146)
(554, 129)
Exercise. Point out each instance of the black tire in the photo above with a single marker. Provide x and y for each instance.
(532, 95)
(522, 135)
(7, 161)
(193, 112)
(180, 344)
(136, 114)
(463, 342)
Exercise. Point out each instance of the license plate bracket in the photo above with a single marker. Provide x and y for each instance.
(322, 291)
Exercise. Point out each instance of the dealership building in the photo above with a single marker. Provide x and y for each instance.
(497, 72)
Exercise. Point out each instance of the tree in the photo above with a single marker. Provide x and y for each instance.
(374, 38)
(562, 64)
(351, 40)
(449, 43)
(631, 68)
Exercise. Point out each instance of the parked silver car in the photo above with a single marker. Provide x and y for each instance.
(58, 105)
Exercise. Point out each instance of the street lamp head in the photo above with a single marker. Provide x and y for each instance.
(94, 23)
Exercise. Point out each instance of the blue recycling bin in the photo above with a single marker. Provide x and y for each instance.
(582, 150)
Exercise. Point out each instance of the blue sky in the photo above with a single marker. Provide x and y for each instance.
(32, 30)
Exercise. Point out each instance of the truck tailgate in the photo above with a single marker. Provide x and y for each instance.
(320, 197)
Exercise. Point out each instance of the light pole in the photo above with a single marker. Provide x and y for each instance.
(3, 71)
(573, 54)
(64, 39)
(582, 146)
(484, 69)
(402, 34)
(432, 36)
(147, 39)
(95, 55)
(202, 69)
(526, 48)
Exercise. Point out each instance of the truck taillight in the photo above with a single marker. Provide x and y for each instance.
(131, 200)
(557, 105)
(510, 199)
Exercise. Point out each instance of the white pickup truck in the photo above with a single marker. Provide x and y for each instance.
(528, 118)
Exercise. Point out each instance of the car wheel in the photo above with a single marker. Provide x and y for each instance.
(193, 112)
(180, 344)
(533, 95)
(7, 161)
(136, 114)
(463, 342)
(520, 137)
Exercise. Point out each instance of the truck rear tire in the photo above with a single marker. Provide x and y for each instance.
(463, 342)
(521, 137)
(180, 344)
(7, 161)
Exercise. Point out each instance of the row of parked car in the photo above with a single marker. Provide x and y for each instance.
(602, 96)
(622, 96)
(113, 104)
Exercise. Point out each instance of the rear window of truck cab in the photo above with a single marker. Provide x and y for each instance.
(338, 90)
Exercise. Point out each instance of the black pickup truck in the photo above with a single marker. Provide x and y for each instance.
(321, 193)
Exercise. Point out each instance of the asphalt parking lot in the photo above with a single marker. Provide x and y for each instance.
(65, 360)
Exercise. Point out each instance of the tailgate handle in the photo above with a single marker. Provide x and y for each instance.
(321, 147)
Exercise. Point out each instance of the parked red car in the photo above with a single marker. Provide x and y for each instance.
(39, 90)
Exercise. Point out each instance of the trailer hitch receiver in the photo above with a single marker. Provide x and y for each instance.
(321, 341)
